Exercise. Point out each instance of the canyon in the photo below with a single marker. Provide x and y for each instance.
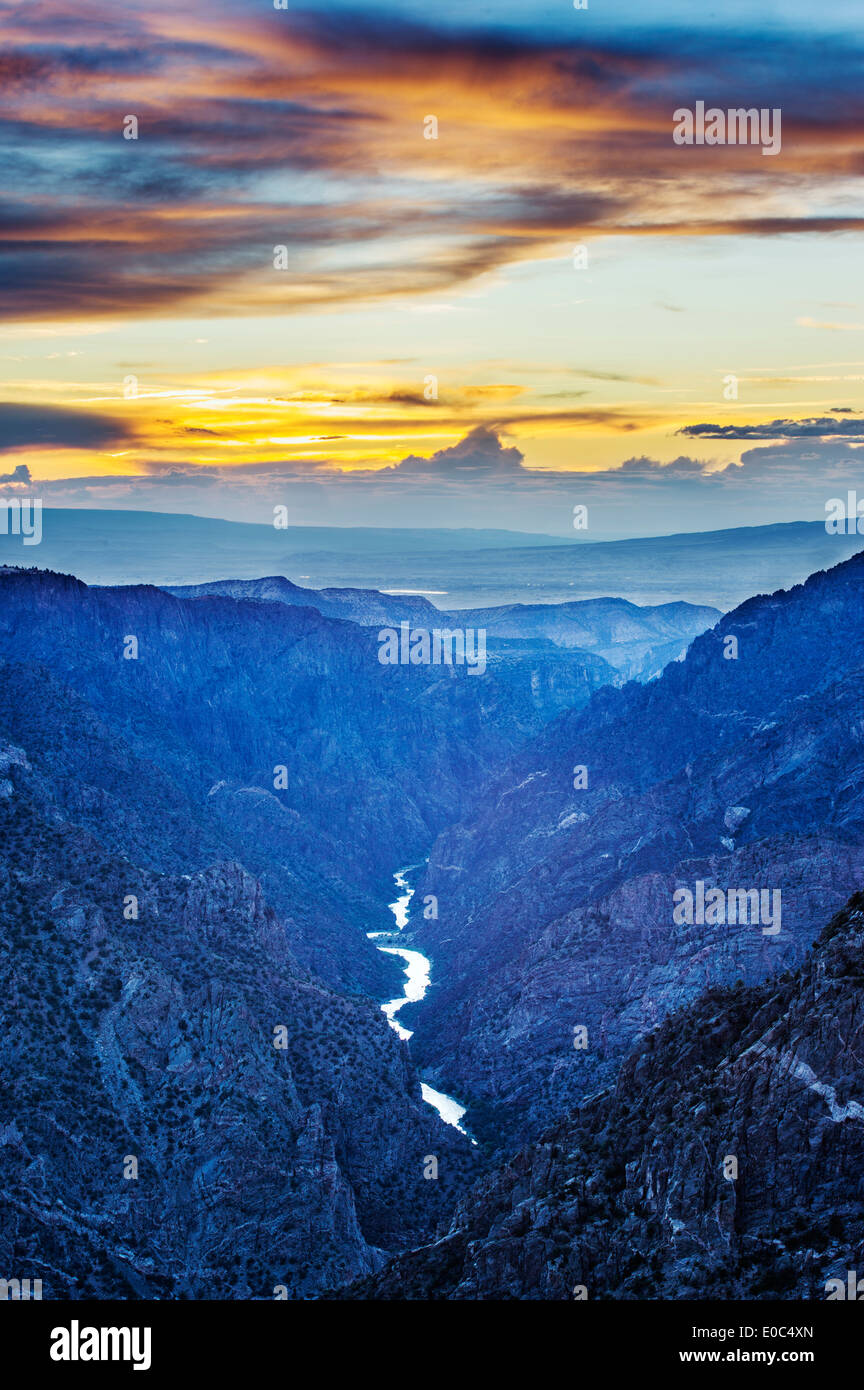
(339, 1163)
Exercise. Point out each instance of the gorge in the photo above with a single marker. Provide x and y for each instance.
(266, 912)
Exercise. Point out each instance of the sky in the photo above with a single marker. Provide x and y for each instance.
(283, 292)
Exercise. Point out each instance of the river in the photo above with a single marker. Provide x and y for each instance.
(417, 979)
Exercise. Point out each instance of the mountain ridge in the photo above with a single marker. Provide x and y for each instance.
(716, 568)
(636, 640)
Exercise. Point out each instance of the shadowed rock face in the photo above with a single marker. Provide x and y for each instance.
(151, 1040)
(637, 641)
(556, 904)
(630, 1198)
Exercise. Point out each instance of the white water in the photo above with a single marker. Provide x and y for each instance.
(417, 980)
(416, 985)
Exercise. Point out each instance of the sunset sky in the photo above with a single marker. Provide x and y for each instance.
(152, 356)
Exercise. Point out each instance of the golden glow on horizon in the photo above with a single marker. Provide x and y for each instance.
(435, 255)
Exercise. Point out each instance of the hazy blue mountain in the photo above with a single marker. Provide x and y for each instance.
(103, 546)
(637, 641)
(453, 568)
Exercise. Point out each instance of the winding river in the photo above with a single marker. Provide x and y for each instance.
(417, 978)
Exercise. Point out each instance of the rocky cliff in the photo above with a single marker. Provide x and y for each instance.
(725, 1162)
(184, 1110)
(555, 904)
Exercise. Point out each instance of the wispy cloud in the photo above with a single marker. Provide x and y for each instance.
(260, 127)
(831, 327)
